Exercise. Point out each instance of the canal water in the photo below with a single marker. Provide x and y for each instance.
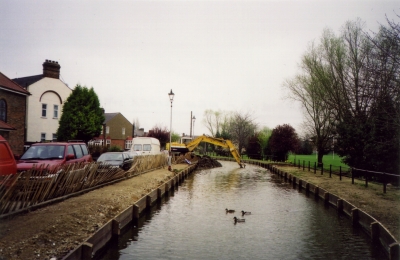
(284, 223)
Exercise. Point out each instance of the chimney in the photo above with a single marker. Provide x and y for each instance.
(51, 69)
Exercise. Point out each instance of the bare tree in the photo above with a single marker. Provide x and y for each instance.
(241, 127)
(308, 88)
(212, 121)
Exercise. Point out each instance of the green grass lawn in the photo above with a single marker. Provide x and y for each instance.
(327, 160)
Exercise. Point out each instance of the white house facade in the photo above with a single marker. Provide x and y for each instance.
(44, 105)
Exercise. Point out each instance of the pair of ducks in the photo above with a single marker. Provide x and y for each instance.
(238, 219)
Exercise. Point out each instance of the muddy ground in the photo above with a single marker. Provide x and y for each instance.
(53, 231)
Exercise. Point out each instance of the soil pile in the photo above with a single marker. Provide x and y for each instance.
(203, 162)
(206, 162)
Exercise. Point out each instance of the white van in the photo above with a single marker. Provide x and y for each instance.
(145, 146)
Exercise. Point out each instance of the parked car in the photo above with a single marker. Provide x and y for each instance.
(8, 164)
(53, 155)
(122, 160)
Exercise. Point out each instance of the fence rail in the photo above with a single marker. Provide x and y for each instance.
(350, 172)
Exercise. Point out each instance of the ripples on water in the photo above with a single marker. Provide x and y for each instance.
(285, 223)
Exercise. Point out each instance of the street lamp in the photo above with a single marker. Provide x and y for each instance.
(171, 98)
(193, 119)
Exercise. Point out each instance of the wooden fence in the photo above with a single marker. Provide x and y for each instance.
(27, 189)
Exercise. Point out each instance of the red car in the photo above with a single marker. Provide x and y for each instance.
(53, 155)
(7, 160)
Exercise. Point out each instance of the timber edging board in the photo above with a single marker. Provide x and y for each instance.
(112, 228)
(377, 232)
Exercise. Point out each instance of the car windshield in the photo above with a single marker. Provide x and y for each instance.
(110, 157)
(44, 152)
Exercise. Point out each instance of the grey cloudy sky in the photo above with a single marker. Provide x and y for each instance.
(219, 55)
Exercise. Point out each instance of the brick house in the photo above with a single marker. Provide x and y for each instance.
(12, 113)
(44, 105)
(118, 131)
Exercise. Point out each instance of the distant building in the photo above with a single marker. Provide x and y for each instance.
(12, 113)
(118, 131)
(44, 106)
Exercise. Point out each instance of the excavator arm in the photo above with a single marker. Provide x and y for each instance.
(216, 141)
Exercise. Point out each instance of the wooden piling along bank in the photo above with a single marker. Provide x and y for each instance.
(377, 232)
(112, 229)
(41, 186)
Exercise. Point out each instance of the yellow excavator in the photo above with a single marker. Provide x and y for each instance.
(191, 145)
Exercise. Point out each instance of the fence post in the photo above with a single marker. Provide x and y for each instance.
(330, 170)
(340, 172)
(366, 179)
(322, 168)
(315, 167)
(303, 164)
(352, 176)
(308, 165)
(384, 183)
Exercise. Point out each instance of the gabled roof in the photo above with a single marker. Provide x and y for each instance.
(6, 127)
(27, 81)
(109, 116)
(8, 84)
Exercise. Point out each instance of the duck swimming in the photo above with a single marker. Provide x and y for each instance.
(238, 219)
(246, 213)
(229, 210)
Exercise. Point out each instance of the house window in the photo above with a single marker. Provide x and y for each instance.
(123, 130)
(3, 110)
(128, 144)
(44, 110)
(54, 137)
(42, 137)
(107, 129)
(55, 115)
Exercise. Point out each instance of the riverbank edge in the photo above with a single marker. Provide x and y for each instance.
(112, 229)
(372, 227)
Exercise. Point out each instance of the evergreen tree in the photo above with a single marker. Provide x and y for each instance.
(82, 116)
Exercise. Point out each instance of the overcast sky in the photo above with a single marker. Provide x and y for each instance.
(218, 55)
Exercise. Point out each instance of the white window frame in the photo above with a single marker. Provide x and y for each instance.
(42, 137)
(128, 144)
(123, 130)
(55, 113)
(107, 129)
(54, 137)
(44, 110)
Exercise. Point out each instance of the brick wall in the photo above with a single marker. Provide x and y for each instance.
(119, 143)
(16, 109)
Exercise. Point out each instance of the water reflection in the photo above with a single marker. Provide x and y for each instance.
(284, 224)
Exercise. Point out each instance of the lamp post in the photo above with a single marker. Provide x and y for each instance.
(171, 98)
(193, 119)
